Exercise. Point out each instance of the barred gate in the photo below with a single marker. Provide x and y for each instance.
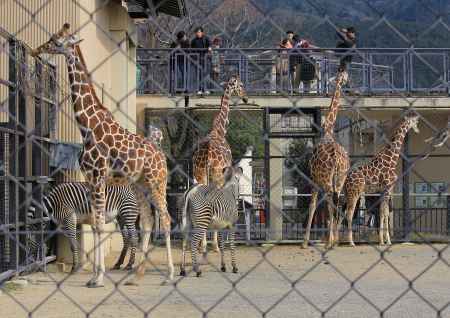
(28, 97)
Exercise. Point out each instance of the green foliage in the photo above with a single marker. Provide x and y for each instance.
(245, 129)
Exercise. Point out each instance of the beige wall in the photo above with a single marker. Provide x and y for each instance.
(109, 50)
(113, 71)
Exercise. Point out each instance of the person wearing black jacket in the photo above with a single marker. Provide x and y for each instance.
(178, 61)
(202, 43)
(347, 42)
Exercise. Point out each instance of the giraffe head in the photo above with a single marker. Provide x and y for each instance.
(342, 78)
(235, 87)
(412, 121)
(62, 42)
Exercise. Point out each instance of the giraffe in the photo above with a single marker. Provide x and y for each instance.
(328, 165)
(109, 150)
(213, 154)
(378, 175)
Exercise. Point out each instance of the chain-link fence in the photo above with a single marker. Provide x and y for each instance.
(244, 92)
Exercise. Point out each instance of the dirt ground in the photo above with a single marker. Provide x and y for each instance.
(274, 281)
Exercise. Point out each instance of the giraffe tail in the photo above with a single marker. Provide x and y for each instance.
(336, 191)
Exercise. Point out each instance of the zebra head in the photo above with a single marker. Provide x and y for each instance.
(34, 227)
(232, 176)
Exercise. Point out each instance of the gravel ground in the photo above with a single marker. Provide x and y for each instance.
(323, 284)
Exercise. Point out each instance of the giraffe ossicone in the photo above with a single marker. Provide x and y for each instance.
(109, 150)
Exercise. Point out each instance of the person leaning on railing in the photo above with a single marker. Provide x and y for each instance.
(201, 42)
(283, 64)
(305, 68)
(347, 42)
(178, 63)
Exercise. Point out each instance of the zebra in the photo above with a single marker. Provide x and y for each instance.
(207, 206)
(68, 204)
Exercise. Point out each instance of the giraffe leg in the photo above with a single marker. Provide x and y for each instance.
(204, 244)
(331, 221)
(158, 193)
(215, 242)
(385, 212)
(312, 209)
(351, 204)
(98, 198)
(382, 224)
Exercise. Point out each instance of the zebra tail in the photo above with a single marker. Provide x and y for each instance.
(185, 219)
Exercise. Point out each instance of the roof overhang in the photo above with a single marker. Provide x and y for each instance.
(142, 9)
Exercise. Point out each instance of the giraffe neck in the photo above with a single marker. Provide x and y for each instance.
(220, 123)
(330, 120)
(394, 147)
(88, 109)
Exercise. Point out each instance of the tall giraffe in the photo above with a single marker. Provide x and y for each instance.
(213, 154)
(378, 175)
(109, 150)
(329, 165)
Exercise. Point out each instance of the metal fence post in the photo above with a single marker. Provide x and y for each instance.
(405, 189)
(11, 159)
(448, 215)
(266, 124)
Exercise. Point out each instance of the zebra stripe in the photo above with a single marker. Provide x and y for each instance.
(69, 204)
(210, 207)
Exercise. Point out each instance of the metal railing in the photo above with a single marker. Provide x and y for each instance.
(272, 71)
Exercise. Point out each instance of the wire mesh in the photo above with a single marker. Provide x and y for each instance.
(148, 77)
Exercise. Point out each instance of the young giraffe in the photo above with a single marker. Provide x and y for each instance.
(378, 175)
(109, 150)
(329, 165)
(213, 154)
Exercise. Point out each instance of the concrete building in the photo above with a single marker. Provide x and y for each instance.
(109, 44)
(381, 112)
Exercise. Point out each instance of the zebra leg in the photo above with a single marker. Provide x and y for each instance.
(125, 239)
(132, 241)
(70, 231)
(183, 254)
(220, 235)
(233, 251)
(197, 235)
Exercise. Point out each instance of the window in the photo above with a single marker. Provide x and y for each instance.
(432, 199)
